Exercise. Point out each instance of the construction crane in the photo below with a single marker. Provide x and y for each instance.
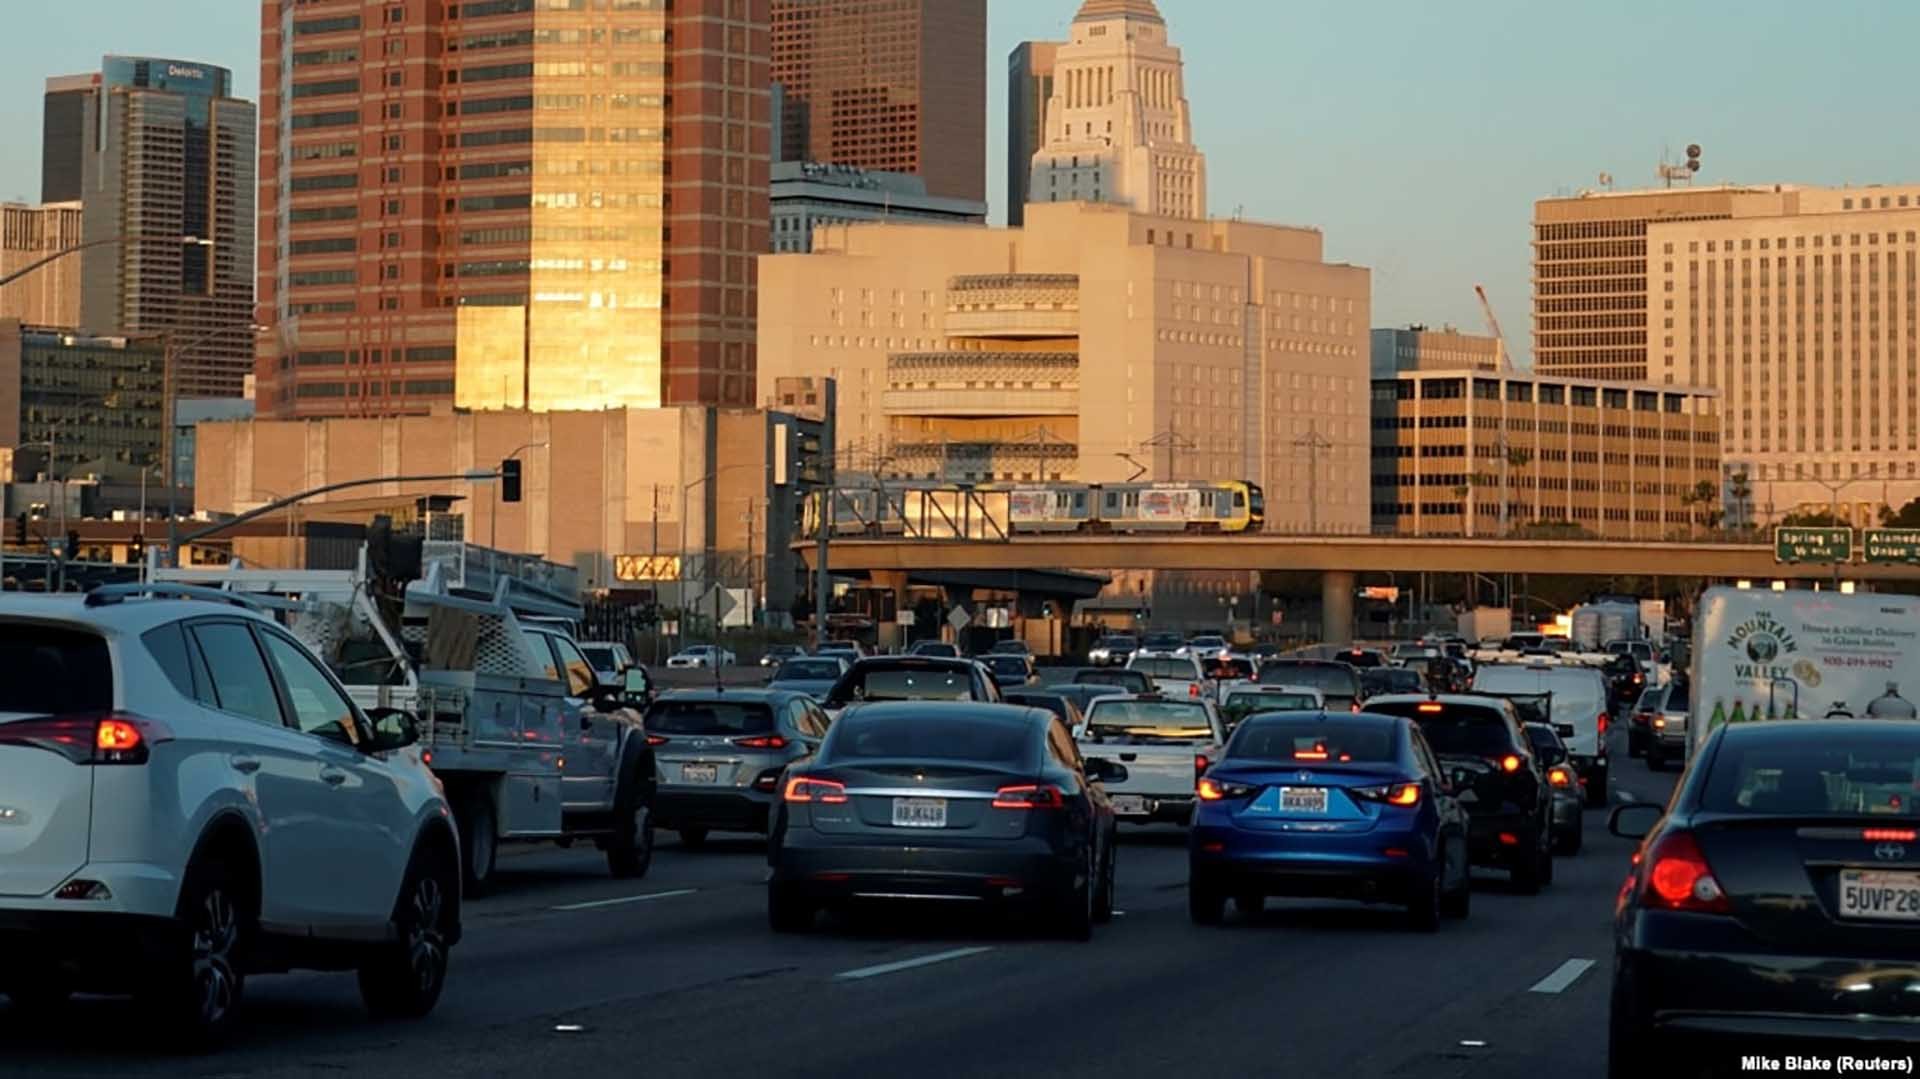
(1493, 327)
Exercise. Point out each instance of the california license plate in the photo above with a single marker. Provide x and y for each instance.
(1880, 894)
(1129, 805)
(919, 812)
(1303, 799)
(699, 773)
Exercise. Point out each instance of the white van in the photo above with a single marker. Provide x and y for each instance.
(1577, 708)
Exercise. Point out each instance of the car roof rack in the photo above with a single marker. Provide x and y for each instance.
(110, 594)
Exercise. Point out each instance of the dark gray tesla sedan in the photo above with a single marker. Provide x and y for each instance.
(946, 800)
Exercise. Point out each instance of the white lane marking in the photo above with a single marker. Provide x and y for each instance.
(626, 899)
(909, 964)
(1567, 973)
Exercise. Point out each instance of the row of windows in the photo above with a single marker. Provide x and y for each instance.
(341, 357)
(374, 389)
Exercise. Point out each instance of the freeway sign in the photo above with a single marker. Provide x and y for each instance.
(1813, 545)
(1892, 546)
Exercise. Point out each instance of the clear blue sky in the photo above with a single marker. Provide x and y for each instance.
(1416, 134)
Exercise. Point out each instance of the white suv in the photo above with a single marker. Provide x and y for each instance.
(187, 797)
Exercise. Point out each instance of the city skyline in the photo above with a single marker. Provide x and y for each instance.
(1462, 96)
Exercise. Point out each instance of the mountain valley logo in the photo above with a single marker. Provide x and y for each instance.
(1766, 644)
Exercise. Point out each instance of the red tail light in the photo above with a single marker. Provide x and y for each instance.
(1210, 790)
(658, 739)
(807, 789)
(1679, 878)
(1510, 763)
(1193, 689)
(1559, 776)
(1393, 794)
(1356, 708)
(1889, 835)
(761, 741)
(110, 738)
(1029, 796)
(1602, 721)
(1200, 765)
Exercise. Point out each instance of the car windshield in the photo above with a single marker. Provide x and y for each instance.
(1820, 774)
(1007, 665)
(709, 717)
(856, 738)
(1181, 670)
(1460, 730)
(1313, 738)
(912, 684)
(60, 671)
(1333, 679)
(1149, 721)
(936, 648)
(1241, 705)
(1163, 640)
(1652, 699)
(807, 670)
(1132, 680)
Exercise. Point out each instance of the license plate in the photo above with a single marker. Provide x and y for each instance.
(919, 812)
(1130, 805)
(1880, 894)
(1303, 799)
(699, 773)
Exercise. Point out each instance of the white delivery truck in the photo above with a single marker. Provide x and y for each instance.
(1597, 624)
(1760, 655)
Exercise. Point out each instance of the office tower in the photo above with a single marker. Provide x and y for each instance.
(50, 295)
(1029, 86)
(167, 174)
(887, 85)
(62, 139)
(503, 204)
(1118, 128)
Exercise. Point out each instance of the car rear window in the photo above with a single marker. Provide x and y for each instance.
(812, 670)
(911, 684)
(1241, 705)
(1652, 699)
(950, 738)
(1392, 680)
(1133, 681)
(1056, 705)
(48, 671)
(1176, 669)
(1161, 721)
(1334, 679)
(600, 655)
(1005, 664)
(709, 717)
(1822, 774)
(1313, 739)
(1463, 730)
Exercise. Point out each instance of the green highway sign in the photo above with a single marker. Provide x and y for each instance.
(1813, 545)
(1892, 546)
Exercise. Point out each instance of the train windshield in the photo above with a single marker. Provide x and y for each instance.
(1256, 502)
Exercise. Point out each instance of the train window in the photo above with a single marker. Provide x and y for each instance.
(1079, 500)
(1239, 500)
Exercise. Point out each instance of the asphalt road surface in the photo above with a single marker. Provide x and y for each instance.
(567, 973)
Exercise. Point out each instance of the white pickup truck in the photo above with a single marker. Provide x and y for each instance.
(1175, 676)
(1166, 743)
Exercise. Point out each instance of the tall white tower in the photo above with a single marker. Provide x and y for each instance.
(1117, 126)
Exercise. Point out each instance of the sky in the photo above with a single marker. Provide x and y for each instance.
(1415, 134)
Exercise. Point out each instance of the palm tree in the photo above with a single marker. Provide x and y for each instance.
(1741, 488)
(1518, 458)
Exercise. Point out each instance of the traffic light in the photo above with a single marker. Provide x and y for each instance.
(510, 480)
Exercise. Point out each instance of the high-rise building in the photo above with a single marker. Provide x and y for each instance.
(1118, 128)
(1091, 344)
(93, 404)
(805, 195)
(1029, 87)
(50, 295)
(62, 136)
(166, 189)
(888, 85)
(1419, 348)
(507, 204)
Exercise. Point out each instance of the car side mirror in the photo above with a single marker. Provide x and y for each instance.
(393, 728)
(1635, 819)
(603, 698)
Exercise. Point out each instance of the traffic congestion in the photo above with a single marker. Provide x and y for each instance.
(882, 863)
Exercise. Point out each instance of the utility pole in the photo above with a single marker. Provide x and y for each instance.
(1313, 442)
(823, 519)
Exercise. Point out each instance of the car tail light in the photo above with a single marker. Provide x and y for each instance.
(1200, 765)
(761, 741)
(1559, 776)
(1679, 878)
(1602, 721)
(1193, 689)
(808, 789)
(1659, 723)
(1395, 794)
(93, 738)
(1215, 790)
(1889, 835)
(658, 739)
(1355, 709)
(1510, 763)
(1029, 796)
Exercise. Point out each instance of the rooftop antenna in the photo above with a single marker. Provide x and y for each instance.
(1683, 172)
(1606, 180)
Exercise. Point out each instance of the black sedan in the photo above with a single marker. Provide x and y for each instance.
(1569, 801)
(922, 800)
(1776, 899)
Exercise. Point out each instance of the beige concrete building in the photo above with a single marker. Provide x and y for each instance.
(1418, 348)
(1607, 458)
(1088, 345)
(1117, 127)
(1801, 308)
(49, 296)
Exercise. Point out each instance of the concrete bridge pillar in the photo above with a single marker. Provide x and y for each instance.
(1336, 606)
(891, 635)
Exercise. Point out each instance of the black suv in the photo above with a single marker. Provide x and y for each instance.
(1481, 745)
(911, 678)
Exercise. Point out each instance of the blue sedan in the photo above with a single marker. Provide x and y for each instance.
(1328, 806)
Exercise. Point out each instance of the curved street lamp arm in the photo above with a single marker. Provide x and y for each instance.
(55, 257)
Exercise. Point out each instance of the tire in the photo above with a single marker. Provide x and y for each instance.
(1527, 876)
(405, 979)
(1458, 904)
(787, 910)
(1597, 789)
(1250, 905)
(693, 838)
(630, 848)
(1570, 844)
(479, 842)
(1074, 917)
(1206, 903)
(1103, 898)
(1423, 907)
(194, 990)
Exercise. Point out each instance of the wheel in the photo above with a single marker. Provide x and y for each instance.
(1423, 906)
(1250, 905)
(1597, 788)
(1206, 903)
(787, 910)
(1075, 914)
(1529, 875)
(194, 990)
(693, 838)
(1103, 898)
(1459, 902)
(479, 845)
(405, 979)
(630, 848)
(1570, 843)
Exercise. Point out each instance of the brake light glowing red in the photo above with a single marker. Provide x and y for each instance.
(761, 741)
(658, 739)
(116, 736)
(1210, 790)
(1431, 707)
(1200, 764)
(1029, 796)
(1602, 721)
(1193, 689)
(1406, 794)
(1309, 754)
(1889, 835)
(1560, 777)
(1681, 879)
(110, 738)
(1356, 708)
(1510, 763)
(808, 789)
